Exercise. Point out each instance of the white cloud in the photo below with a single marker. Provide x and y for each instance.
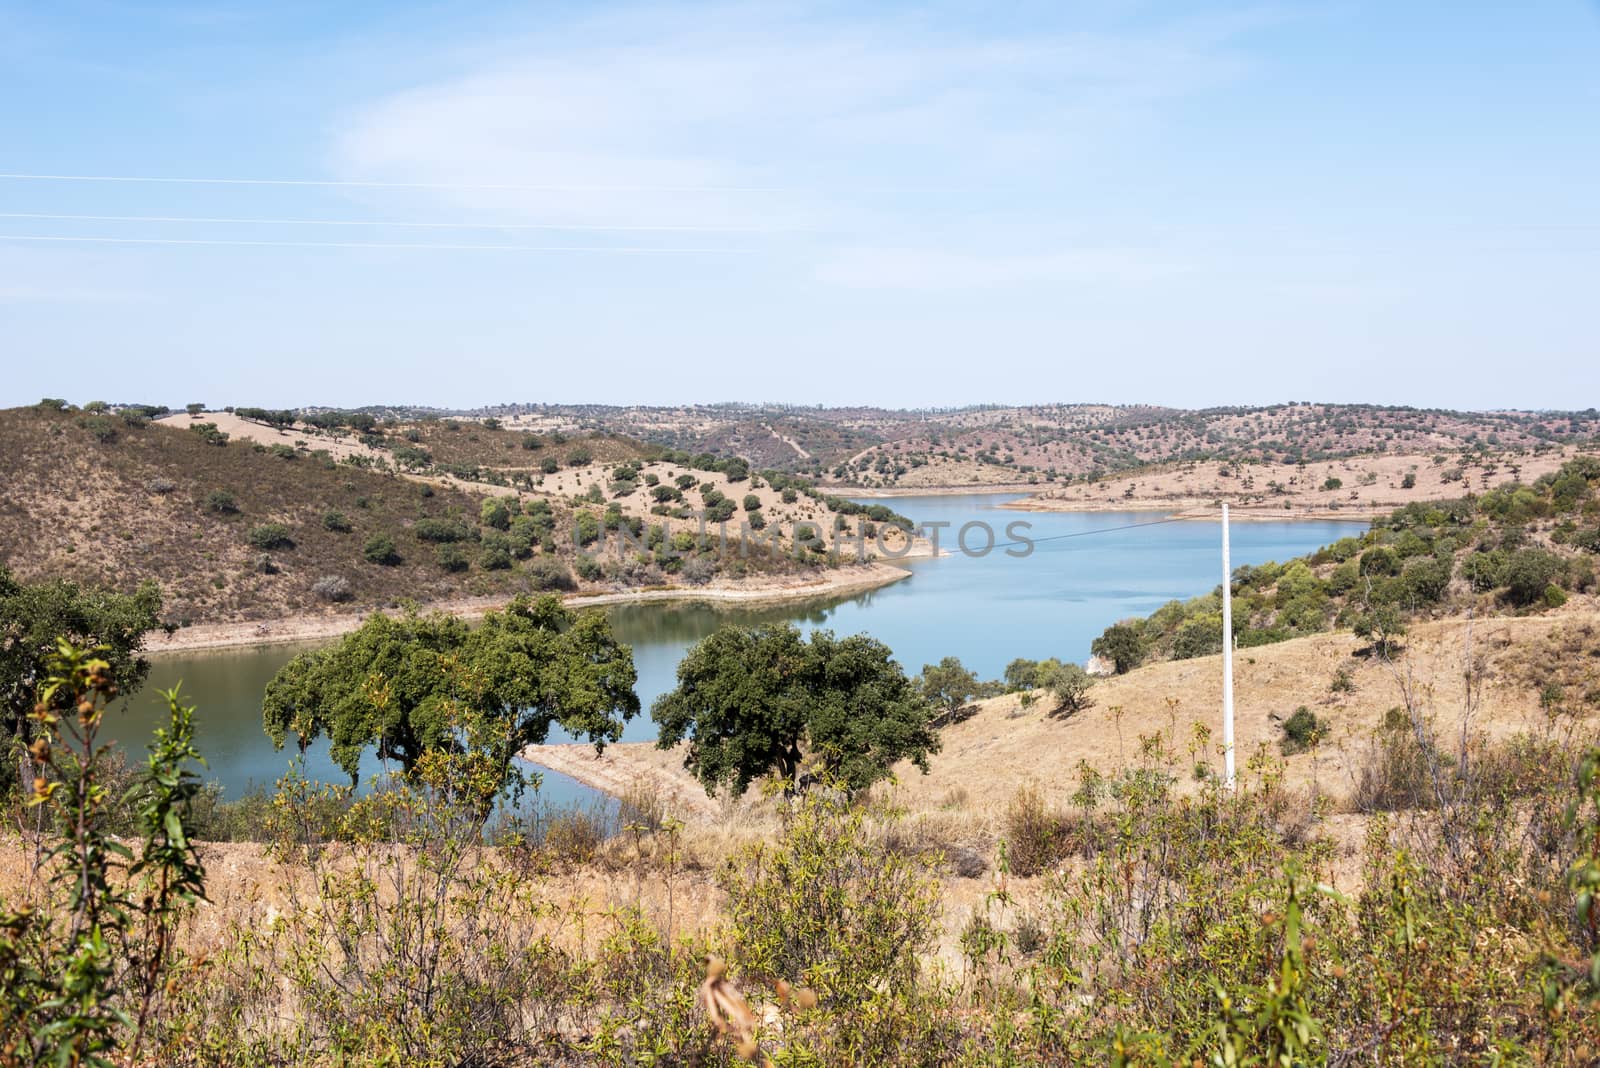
(736, 116)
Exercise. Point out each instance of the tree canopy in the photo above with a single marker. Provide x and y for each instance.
(753, 700)
(33, 618)
(430, 682)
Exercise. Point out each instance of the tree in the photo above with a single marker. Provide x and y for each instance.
(1526, 574)
(1121, 644)
(753, 700)
(1380, 623)
(948, 686)
(1021, 674)
(1068, 685)
(417, 684)
(34, 618)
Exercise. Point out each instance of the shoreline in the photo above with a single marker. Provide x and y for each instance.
(629, 764)
(308, 629)
(1177, 507)
(1204, 511)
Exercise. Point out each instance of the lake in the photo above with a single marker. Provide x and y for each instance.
(986, 610)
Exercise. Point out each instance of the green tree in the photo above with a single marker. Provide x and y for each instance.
(948, 686)
(1382, 624)
(753, 700)
(424, 683)
(33, 620)
(1068, 686)
(1526, 574)
(1122, 644)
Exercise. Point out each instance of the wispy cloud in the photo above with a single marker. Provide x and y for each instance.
(886, 133)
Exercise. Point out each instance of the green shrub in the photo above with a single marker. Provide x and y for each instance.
(269, 536)
(588, 567)
(829, 906)
(452, 558)
(380, 549)
(335, 521)
(221, 502)
(441, 531)
(1526, 574)
(1301, 731)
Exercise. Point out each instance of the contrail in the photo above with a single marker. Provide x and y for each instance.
(621, 249)
(583, 227)
(341, 184)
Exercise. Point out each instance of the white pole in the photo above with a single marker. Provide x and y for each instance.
(1227, 657)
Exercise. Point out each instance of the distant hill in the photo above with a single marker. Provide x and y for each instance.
(986, 444)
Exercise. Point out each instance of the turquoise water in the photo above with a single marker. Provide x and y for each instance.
(987, 611)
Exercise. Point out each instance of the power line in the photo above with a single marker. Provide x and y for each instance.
(208, 220)
(1084, 533)
(619, 249)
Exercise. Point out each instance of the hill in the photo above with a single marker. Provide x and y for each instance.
(1520, 548)
(262, 516)
(998, 445)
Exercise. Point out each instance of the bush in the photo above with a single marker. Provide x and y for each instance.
(1035, 838)
(268, 536)
(1410, 481)
(751, 502)
(441, 530)
(452, 558)
(160, 486)
(698, 570)
(830, 906)
(549, 573)
(380, 550)
(1332, 484)
(496, 513)
(1526, 574)
(585, 528)
(579, 456)
(495, 554)
(333, 588)
(209, 433)
(1301, 731)
(221, 502)
(588, 567)
(335, 520)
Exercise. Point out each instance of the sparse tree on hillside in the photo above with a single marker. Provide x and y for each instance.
(754, 700)
(948, 686)
(1122, 645)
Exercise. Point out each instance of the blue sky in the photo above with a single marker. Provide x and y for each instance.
(1177, 203)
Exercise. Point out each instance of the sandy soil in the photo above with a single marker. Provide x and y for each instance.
(1004, 744)
(312, 627)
